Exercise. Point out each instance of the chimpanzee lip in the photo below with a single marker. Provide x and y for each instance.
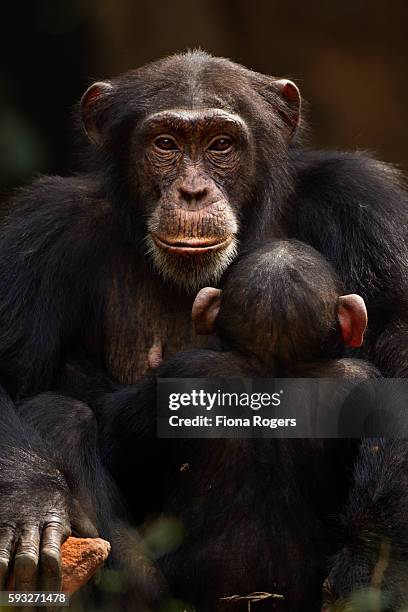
(191, 246)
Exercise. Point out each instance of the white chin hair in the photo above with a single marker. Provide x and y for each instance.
(192, 273)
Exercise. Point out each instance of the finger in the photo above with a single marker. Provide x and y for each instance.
(7, 539)
(26, 560)
(54, 533)
(82, 526)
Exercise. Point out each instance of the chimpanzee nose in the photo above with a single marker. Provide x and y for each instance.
(193, 194)
(193, 190)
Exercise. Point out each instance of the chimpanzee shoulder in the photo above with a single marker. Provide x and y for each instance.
(354, 210)
(57, 202)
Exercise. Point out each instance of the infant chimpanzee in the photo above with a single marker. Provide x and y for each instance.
(281, 312)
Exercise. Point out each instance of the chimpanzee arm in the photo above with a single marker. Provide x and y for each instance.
(45, 287)
(37, 508)
(354, 210)
(125, 416)
(50, 263)
(69, 429)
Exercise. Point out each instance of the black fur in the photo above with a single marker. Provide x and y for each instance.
(257, 515)
(373, 557)
(67, 241)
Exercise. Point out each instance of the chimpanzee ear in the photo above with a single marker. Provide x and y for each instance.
(352, 317)
(93, 110)
(205, 310)
(291, 96)
(284, 96)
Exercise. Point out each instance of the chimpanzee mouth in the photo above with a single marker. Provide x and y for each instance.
(191, 246)
(178, 261)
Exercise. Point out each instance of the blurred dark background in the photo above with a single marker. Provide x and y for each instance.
(348, 56)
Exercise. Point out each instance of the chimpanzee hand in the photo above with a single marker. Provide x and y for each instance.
(37, 513)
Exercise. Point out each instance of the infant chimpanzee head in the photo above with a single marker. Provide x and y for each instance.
(283, 303)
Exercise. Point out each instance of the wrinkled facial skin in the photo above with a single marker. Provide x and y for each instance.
(195, 173)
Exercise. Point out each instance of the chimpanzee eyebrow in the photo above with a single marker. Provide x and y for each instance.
(179, 117)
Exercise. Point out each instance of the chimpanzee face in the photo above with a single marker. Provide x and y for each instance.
(197, 136)
(194, 162)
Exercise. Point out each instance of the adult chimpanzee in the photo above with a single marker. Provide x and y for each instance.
(256, 513)
(190, 158)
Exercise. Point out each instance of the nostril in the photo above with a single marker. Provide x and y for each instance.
(185, 194)
(193, 194)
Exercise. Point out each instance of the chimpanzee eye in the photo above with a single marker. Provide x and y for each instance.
(165, 143)
(220, 144)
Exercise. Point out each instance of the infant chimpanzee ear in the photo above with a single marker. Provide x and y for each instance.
(205, 310)
(352, 317)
